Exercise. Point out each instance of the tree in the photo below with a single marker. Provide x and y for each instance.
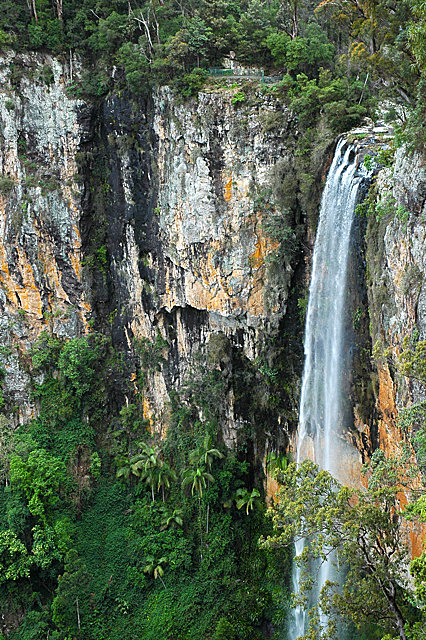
(290, 8)
(247, 499)
(150, 477)
(40, 478)
(378, 41)
(165, 474)
(155, 568)
(204, 456)
(197, 477)
(366, 530)
(6, 448)
(68, 605)
(14, 560)
(131, 467)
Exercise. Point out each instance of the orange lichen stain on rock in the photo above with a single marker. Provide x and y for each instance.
(75, 255)
(228, 190)
(387, 407)
(272, 488)
(76, 264)
(415, 532)
(147, 413)
(201, 297)
(209, 273)
(263, 247)
(417, 537)
(28, 294)
(256, 301)
(4, 267)
(257, 258)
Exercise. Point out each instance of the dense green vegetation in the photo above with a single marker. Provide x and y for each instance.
(108, 532)
(333, 55)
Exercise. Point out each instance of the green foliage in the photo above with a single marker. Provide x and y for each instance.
(192, 83)
(14, 561)
(68, 598)
(197, 477)
(247, 499)
(238, 97)
(363, 527)
(105, 559)
(336, 97)
(47, 75)
(303, 54)
(40, 479)
(368, 162)
(412, 360)
(175, 42)
(6, 185)
(224, 630)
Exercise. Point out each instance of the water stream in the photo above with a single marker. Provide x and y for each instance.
(321, 410)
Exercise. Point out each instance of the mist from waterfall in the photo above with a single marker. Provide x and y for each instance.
(321, 411)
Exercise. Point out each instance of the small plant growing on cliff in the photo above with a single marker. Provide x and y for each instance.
(412, 360)
(238, 98)
(155, 568)
(47, 75)
(247, 499)
(368, 162)
(6, 185)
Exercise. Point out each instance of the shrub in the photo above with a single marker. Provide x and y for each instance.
(6, 185)
(193, 82)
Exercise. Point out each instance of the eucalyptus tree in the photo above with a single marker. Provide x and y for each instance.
(365, 529)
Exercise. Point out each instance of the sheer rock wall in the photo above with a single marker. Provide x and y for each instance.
(145, 218)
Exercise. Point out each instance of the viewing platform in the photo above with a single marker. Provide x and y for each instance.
(232, 69)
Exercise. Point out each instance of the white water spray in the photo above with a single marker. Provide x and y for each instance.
(321, 411)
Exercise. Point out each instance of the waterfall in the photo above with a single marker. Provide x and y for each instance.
(321, 411)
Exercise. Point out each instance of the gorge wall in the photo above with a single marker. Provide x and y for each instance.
(157, 221)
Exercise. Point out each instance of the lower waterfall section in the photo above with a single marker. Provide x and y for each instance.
(321, 413)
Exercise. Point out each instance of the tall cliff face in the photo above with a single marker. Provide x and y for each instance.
(40, 243)
(145, 219)
(396, 284)
(396, 265)
(150, 219)
(197, 265)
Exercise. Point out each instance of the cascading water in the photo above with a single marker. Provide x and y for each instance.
(321, 412)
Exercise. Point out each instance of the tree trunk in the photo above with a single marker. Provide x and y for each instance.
(59, 9)
(78, 614)
(201, 528)
(398, 617)
(295, 20)
(35, 10)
